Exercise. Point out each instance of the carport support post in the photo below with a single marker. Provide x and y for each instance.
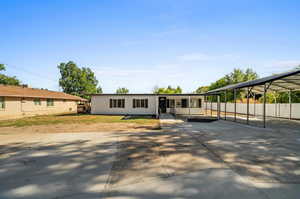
(290, 102)
(218, 106)
(211, 98)
(264, 105)
(225, 98)
(254, 112)
(234, 104)
(248, 93)
(205, 97)
(189, 105)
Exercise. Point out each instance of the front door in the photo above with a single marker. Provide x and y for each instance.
(162, 104)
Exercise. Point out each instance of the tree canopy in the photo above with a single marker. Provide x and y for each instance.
(122, 90)
(236, 76)
(7, 80)
(78, 81)
(168, 90)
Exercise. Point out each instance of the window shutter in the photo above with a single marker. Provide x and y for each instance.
(133, 103)
(110, 103)
(146, 103)
(200, 103)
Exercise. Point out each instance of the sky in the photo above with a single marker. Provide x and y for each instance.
(140, 44)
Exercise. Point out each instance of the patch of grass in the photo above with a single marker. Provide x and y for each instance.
(75, 119)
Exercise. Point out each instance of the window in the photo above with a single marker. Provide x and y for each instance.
(140, 103)
(170, 103)
(116, 103)
(37, 102)
(2, 103)
(184, 103)
(50, 102)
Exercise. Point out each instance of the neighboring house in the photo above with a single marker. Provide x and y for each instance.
(146, 104)
(18, 101)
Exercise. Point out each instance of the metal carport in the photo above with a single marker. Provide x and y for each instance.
(283, 82)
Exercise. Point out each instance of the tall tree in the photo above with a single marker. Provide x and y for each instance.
(122, 90)
(168, 90)
(77, 81)
(236, 76)
(201, 89)
(7, 80)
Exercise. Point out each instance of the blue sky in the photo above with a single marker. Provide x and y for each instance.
(140, 44)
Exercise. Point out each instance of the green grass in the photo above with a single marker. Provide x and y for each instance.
(75, 119)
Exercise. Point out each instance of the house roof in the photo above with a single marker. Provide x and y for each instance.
(280, 82)
(19, 91)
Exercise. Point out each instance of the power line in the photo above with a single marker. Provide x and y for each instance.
(35, 75)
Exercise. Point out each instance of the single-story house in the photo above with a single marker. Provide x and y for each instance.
(146, 104)
(20, 101)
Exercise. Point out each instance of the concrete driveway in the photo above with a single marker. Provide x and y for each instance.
(183, 160)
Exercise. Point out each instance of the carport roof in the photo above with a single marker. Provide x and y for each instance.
(279, 82)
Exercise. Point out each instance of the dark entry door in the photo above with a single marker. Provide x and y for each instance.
(162, 104)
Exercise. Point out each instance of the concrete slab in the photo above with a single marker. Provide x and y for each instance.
(55, 166)
(182, 160)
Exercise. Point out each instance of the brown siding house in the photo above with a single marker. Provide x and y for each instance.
(18, 101)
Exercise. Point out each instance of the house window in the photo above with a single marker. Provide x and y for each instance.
(116, 103)
(2, 103)
(50, 102)
(184, 103)
(37, 102)
(140, 103)
(170, 103)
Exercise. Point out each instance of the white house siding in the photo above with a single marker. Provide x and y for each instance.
(16, 107)
(100, 105)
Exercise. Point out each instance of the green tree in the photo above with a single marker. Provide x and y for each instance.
(77, 81)
(236, 76)
(122, 90)
(201, 89)
(168, 90)
(7, 80)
